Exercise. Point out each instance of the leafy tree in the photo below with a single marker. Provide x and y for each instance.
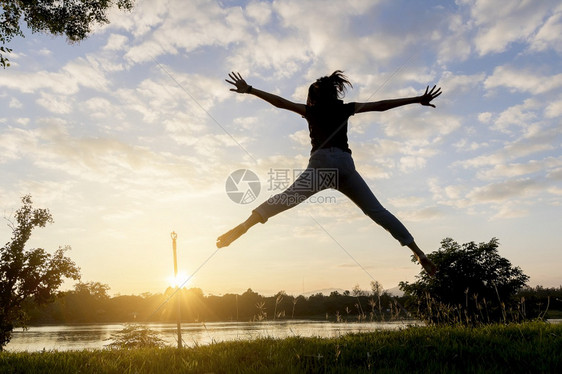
(474, 284)
(28, 275)
(72, 18)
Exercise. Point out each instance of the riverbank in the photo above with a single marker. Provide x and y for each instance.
(529, 347)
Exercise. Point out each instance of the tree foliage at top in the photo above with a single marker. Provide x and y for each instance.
(474, 285)
(28, 275)
(72, 18)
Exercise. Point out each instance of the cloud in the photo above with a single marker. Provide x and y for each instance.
(300, 137)
(15, 103)
(407, 124)
(183, 26)
(504, 190)
(549, 35)
(82, 72)
(522, 80)
(452, 83)
(421, 215)
(55, 103)
(535, 140)
(510, 210)
(554, 109)
(259, 12)
(410, 163)
(522, 115)
(116, 42)
(511, 170)
(454, 40)
(498, 27)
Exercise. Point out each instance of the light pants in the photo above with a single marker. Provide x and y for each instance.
(334, 168)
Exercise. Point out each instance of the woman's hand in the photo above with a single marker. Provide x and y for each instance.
(426, 98)
(239, 82)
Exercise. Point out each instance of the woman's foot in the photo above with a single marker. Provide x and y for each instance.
(225, 239)
(428, 265)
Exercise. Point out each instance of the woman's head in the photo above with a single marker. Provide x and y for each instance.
(328, 88)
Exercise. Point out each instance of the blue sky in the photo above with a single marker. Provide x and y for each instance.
(132, 134)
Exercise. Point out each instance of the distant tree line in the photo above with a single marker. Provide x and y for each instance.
(90, 303)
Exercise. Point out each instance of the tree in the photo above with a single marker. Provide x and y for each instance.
(474, 284)
(72, 18)
(87, 302)
(136, 336)
(29, 275)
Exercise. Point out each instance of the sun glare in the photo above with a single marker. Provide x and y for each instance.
(180, 280)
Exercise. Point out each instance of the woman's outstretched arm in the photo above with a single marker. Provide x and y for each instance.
(380, 106)
(277, 101)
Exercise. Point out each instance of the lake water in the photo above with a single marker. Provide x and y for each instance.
(95, 336)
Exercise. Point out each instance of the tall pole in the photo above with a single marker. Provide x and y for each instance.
(174, 237)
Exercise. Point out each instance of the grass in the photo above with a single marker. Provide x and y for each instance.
(513, 348)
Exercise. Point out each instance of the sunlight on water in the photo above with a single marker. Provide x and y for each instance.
(95, 336)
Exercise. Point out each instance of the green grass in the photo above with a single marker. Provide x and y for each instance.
(530, 347)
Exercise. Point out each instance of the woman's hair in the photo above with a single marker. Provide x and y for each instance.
(328, 89)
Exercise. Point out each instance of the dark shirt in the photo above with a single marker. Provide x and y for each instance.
(328, 125)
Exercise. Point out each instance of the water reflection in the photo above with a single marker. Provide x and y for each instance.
(95, 336)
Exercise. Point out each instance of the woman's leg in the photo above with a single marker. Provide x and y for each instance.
(303, 187)
(227, 238)
(425, 262)
(353, 186)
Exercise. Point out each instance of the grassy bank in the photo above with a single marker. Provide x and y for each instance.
(530, 347)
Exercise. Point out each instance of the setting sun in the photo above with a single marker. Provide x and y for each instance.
(180, 280)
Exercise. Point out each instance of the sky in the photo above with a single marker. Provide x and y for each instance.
(133, 133)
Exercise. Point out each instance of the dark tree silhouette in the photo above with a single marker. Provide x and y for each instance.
(74, 19)
(28, 275)
(474, 284)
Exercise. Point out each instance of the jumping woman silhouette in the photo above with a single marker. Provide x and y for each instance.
(327, 117)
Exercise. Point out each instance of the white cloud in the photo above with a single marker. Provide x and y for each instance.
(259, 12)
(536, 140)
(510, 170)
(24, 121)
(56, 103)
(116, 42)
(499, 26)
(454, 41)
(15, 103)
(504, 190)
(452, 83)
(485, 117)
(412, 125)
(549, 35)
(186, 26)
(82, 72)
(509, 210)
(421, 215)
(465, 145)
(554, 109)
(300, 137)
(522, 80)
(409, 163)
(522, 115)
